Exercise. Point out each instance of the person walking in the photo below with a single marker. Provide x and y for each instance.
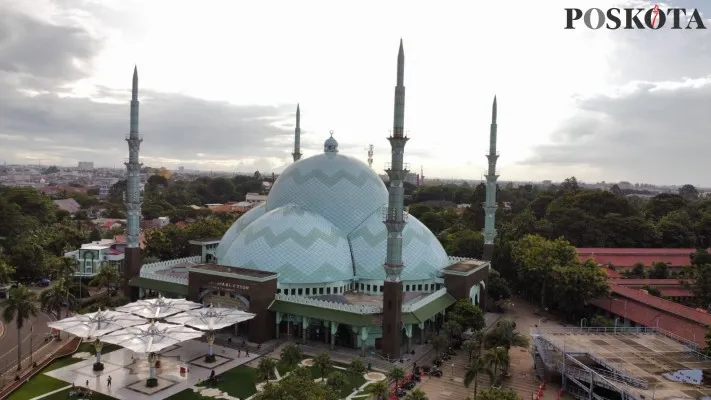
(108, 382)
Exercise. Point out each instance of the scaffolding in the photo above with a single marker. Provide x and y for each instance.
(631, 361)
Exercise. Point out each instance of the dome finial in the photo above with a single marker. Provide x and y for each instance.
(331, 145)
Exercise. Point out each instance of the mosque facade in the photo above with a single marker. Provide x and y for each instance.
(332, 255)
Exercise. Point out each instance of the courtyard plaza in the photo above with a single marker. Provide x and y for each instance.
(182, 367)
(523, 380)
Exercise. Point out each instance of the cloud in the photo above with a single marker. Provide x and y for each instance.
(651, 123)
(43, 119)
(648, 130)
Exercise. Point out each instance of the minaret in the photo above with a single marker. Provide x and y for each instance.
(395, 222)
(490, 205)
(297, 136)
(132, 259)
(370, 155)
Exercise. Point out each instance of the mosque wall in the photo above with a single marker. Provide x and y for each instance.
(257, 293)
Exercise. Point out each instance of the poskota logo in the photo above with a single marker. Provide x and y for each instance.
(634, 18)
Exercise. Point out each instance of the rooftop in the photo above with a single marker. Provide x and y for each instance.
(234, 270)
(663, 362)
(621, 257)
(465, 266)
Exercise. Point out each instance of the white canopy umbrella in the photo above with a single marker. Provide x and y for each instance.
(210, 319)
(96, 324)
(158, 308)
(151, 338)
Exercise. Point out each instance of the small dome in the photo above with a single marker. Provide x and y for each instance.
(237, 228)
(422, 254)
(330, 145)
(301, 246)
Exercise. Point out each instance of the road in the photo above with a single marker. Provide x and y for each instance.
(8, 341)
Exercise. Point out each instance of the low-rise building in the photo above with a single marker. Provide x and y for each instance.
(91, 257)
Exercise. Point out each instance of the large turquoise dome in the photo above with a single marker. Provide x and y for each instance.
(322, 223)
(342, 189)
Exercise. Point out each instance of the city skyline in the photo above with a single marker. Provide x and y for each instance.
(585, 104)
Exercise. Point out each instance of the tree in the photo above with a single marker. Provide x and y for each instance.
(573, 286)
(472, 347)
(265, 368)
(536, 256)
(498, 360)
(107, 277)
(614, 189)
(356, 368)
(20, 306)
(660, 270)
(504, 334)
(600, 321)
(58, 296)
(322, 362)
(497, 287)
(453, 329)
(498, 394)
(569, 184)
(688, 192)
(701, 285)
(298, 385)
(707, 338)
(416, 394)
(336, 381)
(467, 315)
(439, 342)
(476, 366)
(379, 390)
(396, 374)
(291, 355)
(6, 272)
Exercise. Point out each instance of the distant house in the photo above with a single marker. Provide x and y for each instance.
(69, 205)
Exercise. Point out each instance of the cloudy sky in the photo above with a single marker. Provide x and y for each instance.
(220, 79)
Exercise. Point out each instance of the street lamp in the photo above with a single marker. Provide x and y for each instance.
(32, 326)
(617, 319)
(581, 323)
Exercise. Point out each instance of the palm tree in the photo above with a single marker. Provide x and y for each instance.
(476, 366)
(498, 360)
(323, 363)
(505, 334)
(356, 368)
(20, 306)
(291, 355)
(6, 272)
(265, 369)
(107, 277)
(56, 297)
(63, 267)
(396, 374)
(416, 394)
(379, 390)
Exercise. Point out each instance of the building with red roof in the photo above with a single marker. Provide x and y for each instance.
(639, 308)
(621, 258)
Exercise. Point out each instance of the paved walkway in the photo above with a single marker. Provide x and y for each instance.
(451, 385)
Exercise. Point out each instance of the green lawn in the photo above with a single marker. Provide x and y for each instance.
(41, 383)
(238, 382)
(353, 382)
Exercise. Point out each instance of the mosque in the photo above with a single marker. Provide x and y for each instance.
(331, 256)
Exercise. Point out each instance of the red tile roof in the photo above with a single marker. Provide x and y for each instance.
(121, 239)
(621, 257)
(648, 310)
(648, 282)
(676, 292)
